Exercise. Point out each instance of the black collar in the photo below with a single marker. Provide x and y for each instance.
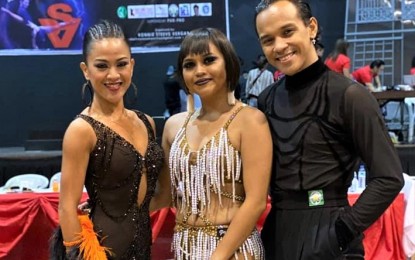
(303, 78)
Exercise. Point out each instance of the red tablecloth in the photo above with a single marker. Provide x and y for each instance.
(28, 219)
(383, 239)
(26, 223)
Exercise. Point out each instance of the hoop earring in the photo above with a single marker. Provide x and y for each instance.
(87, 85)
(135, 89)
(313, 41)
(132, 100)
(231, 98)
(190, 106)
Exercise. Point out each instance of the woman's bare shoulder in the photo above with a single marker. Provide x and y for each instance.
(79, 128)
(176, 120)
(250, 116)
(174, 123)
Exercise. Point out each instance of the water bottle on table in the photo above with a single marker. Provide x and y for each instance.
(354, 184)
(361, 177)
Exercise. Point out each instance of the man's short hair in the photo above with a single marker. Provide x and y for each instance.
(376, 64)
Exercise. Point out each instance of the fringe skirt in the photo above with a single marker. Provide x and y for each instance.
(198, 243)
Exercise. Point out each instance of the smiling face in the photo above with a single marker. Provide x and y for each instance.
(109, 68)
(285, 38)
(205, 74)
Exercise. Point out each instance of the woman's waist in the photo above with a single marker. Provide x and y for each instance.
(215, 215)
(214, 230)
(210, 195)
(198, 222)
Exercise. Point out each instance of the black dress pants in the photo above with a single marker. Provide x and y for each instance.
(306, 234)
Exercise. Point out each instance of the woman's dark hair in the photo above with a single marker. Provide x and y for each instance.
(103, 30)
(303, 9)
(413, 62)
(340, 48)
(197, 42)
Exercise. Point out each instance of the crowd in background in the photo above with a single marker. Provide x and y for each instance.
(256, 79)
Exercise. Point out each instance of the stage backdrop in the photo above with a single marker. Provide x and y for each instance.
(57, 26)
(43, 93)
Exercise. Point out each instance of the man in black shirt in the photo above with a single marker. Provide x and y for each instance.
(323, 125)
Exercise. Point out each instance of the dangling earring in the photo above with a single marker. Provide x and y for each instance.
(85, 86)
(190, 103)
(231, 98)
(313, 41)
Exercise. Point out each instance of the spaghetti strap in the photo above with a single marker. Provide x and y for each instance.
(233, 116)
(150, 129)
(90, 120)
(189, 115)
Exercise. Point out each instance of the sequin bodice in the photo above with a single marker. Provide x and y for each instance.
(113, 177)
(198, 175)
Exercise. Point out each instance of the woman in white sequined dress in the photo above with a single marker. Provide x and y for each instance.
(219, 157)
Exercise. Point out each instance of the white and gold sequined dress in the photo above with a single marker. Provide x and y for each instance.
(207, 187)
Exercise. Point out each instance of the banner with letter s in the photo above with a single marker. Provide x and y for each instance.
(44, 27)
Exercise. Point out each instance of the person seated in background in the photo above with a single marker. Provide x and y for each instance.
(366, 74)
(338, 60)
(172, 91)
(258, 79)
(412, 70)
(241, 84)
(240, 87)
(319, 49)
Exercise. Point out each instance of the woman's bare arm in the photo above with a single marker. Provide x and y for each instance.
(77, 145)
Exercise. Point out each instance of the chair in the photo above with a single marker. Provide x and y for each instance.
(408, 239)
(55, 177)
(410, 103)
(396, 118)
(30, 180)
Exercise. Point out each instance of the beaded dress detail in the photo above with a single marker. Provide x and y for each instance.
(113, 177)
(197, 176)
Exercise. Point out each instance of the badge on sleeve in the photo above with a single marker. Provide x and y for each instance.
(315, 198)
